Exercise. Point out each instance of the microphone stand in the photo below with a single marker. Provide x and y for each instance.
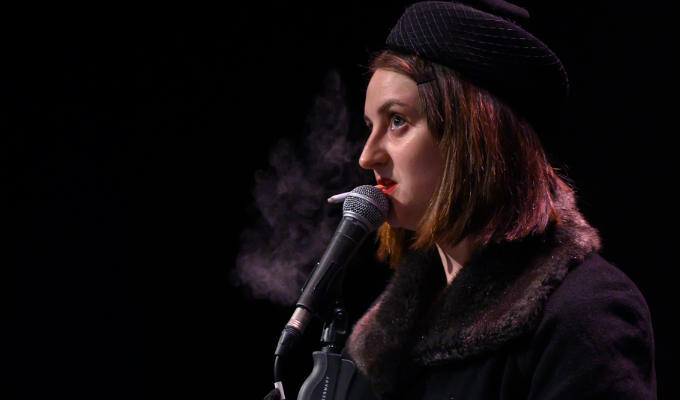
(331, 375)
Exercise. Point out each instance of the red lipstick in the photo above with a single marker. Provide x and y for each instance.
(386, 185)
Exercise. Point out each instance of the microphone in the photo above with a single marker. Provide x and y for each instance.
(365, 208)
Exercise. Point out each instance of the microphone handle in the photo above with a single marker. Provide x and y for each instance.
(322, 286)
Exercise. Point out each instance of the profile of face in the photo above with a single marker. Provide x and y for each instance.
(400, 149)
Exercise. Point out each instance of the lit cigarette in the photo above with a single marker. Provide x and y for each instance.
(339, 198)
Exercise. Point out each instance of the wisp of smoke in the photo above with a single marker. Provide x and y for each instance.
(295, 225)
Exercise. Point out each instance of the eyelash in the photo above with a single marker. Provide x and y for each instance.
(392, 118)
(395, 116)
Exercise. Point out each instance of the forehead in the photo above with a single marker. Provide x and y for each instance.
(385, 85)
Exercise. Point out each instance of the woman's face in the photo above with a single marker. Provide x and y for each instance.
(400, 149)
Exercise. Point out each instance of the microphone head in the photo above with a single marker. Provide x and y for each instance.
(367, 204)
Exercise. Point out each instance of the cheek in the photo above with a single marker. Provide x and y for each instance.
(427, 171)
(421, 173)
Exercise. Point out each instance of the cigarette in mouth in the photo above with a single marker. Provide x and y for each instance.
(339, 198)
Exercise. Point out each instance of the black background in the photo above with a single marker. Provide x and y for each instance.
(132, 135)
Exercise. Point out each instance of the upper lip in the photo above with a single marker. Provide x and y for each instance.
(387, 182)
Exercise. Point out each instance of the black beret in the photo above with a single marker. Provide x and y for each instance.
(484, 42)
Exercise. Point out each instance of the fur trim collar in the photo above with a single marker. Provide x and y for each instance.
(498, 296)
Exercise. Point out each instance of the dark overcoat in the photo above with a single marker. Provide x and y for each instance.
(544, 318)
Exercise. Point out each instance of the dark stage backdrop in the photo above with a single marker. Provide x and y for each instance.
(133, 136)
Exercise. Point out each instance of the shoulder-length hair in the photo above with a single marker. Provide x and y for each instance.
(497, 183)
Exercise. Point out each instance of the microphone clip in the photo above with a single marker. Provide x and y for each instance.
(335, 330)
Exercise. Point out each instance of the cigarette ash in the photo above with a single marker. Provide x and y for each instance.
(294, 222)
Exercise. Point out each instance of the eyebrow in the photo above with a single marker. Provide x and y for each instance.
(387, 104)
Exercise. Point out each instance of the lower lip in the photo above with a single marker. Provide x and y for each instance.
(389, 190)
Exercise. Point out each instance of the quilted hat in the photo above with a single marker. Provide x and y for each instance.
(484, 42)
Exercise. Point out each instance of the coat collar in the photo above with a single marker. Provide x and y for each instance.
(498, 296)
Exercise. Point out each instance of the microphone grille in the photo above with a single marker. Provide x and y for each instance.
(368, 204)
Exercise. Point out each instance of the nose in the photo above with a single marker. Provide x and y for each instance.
(373, 155)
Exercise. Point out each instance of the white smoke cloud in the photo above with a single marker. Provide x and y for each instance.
(295, 225)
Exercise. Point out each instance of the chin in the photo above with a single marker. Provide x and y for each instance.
(393, 220)
(396, 221)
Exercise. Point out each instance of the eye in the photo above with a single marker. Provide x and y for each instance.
(396, 122)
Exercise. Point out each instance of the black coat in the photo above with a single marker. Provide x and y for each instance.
(545, 318)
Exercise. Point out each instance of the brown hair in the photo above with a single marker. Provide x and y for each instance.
(497, 184)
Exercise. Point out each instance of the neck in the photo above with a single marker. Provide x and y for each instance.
(454, 258)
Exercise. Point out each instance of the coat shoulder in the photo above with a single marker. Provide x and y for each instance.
(595, 288)
(595, 337)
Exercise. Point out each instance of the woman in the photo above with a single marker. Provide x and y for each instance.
(499, 291)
